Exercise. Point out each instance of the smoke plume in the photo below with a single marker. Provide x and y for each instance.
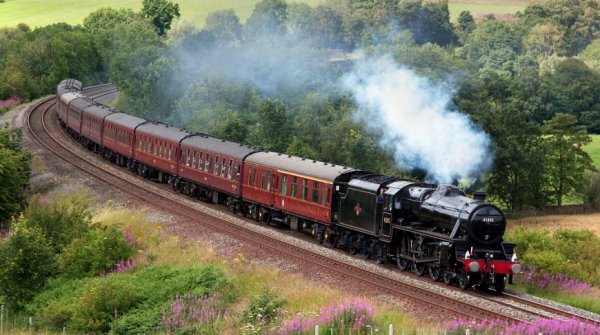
(417, 121)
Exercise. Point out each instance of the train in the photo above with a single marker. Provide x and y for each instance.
(433, 230)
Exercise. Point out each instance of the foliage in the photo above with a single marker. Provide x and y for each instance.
(566, 161)
(102, 302)
(268, 17)
(262, 312)
(96, 252)
(538, 326)
(14, 173)
(37, 60)
(124, 303)
(574, 252)
(194, 314)
(26, 262)
(348, 314)
(161, 13)
(60, 221)
(540, 280)
(590, 188)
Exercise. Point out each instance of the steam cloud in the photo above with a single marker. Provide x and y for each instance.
(417, 120)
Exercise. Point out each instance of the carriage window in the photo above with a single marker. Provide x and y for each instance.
(250, 173)
(170, 153)
(155, 148)
(194, 159)
(304, 189)
(207, 163)
(223, 167)
(284, 185)
(315, 193)
(216, 166)
(323, 195)
(230, 169)
(294, 186)
(269, 181)
(262, 179)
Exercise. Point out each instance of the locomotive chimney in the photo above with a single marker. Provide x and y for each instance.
(479, 196)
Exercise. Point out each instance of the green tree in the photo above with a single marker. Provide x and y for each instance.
(591, 55)
(108, 18)
(273, 129)
(428, 22)
(268, 17)
(161, 13)
(224, 25)
(565, 160)
(466, 22)
(14, 173)
(26, 262)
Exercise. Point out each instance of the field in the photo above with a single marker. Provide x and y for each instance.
(593, 149)
(37, 13)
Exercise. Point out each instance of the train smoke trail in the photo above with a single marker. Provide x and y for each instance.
(416, 119)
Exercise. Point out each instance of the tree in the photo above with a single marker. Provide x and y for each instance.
(107, 18)
(565, 160)
(268, 17)
(14, 173)
(161, 13)
(429, 22)
(466, 22)
(224, 25)
(591, 55)
(273, 130)
(544, 40)
(26, 263)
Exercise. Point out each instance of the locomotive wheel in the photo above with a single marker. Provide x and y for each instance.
(418, 268)
(401, 262)
(435, 272)
(499, 283)
(447, 277)
(462, 279)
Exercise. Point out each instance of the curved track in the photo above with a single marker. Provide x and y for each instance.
(44, 130)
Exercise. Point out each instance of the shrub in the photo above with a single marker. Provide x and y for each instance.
(26, 263)
(98, 251)
(62, 220)
(103, 301)
(193, 314)
(349, 314)
(262, 311)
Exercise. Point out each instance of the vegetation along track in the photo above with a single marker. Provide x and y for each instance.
(42, 125)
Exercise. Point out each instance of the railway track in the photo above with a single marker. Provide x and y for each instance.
(44, 130)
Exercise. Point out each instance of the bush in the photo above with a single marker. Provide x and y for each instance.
(262, 311)
(566, 251)
(590, 188)
(26, 263)
(88, 304)
(96, 252)
(103, 301)
(61, 220)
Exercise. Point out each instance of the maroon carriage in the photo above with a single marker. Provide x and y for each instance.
(156, 151)
(119, 134)
(211, 167)
(92, 125)
(292, 188)
(76, 107)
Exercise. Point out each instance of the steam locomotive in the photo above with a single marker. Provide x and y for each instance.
(428, 229)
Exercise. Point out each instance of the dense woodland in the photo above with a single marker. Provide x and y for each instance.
(531, 82)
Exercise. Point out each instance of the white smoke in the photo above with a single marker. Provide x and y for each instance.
(417, 120)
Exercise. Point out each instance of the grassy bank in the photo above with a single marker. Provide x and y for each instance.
(593, 149)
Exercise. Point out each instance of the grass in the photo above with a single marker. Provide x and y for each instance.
(589, 302)
(593, 149)
(39, 13)
(157, 247)
(552, 223)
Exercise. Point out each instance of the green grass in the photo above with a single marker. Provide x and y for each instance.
(593, 149)
(39, 13)
(586, 302)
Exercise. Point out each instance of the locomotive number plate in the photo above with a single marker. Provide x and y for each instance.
(489, 220)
